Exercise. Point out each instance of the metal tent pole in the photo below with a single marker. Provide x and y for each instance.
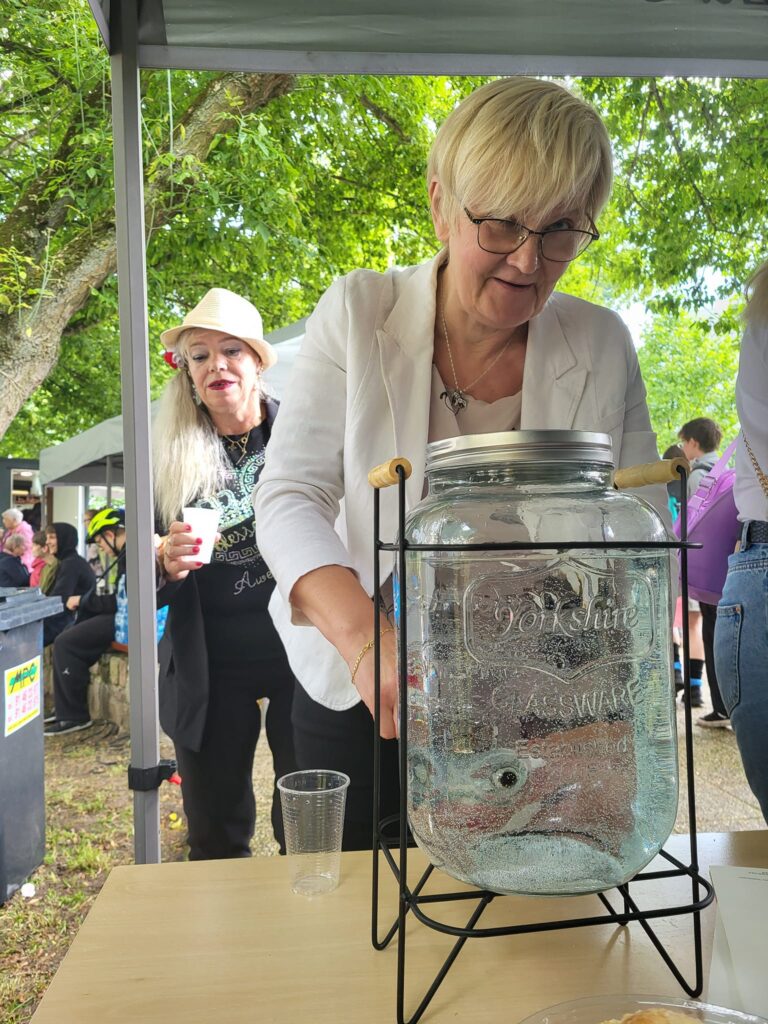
(134, 359)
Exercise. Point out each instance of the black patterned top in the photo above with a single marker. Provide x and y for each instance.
(236, 587)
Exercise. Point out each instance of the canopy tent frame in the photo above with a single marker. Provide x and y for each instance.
(137, 458)
(706, 44)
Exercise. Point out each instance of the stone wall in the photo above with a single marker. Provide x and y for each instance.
(108, 692)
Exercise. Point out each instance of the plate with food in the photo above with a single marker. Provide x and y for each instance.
(639, 1009)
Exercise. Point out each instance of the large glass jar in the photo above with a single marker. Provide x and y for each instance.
(542, 749)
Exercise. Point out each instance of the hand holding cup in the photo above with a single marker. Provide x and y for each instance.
(189, 544)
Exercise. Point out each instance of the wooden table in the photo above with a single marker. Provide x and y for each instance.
(227, 941)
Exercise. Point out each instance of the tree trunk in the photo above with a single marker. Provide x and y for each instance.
(30, 338)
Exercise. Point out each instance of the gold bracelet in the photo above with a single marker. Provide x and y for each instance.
(364, 650)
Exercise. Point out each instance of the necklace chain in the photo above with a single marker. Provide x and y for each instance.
(456, 397)
(237, 445)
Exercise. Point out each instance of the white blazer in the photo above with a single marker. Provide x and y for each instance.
(360, 394)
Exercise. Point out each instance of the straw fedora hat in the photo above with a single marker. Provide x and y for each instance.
(222, 310)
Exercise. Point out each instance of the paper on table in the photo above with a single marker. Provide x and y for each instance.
(737, 977)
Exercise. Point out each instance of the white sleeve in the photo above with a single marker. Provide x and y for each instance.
(752, 405)
(638, 442)
(298, 496)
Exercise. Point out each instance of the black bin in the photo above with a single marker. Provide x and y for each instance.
(22, 787)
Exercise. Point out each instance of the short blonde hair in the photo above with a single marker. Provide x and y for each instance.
(521, 146)
(757, 296)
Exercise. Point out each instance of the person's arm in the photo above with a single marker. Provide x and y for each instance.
(752, 407)
(332, 599)
(97, 604)
(67, 578)
(299, 493)
(298, 497)
(638, 444)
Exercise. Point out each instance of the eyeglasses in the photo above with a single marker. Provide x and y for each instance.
(560, 245)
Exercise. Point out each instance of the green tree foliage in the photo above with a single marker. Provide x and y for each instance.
(690, 159)
(273, 186)
(317, 177)
(689, 366)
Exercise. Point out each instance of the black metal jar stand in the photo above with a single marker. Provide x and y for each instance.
(412, 899)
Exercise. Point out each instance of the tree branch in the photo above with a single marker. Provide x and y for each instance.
(387, 119)
(681, 152)
(20, 102)
(34, 55)
(640, 134)
(39, 210)
(32, 337)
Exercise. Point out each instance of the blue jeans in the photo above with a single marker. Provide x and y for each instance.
(741, 660)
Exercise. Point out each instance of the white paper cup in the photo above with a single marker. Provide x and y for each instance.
(205, 524)
(313, 820)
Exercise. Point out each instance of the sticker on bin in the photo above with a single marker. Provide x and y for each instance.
(21, 689)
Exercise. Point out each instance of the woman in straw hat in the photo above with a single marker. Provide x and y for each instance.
(473, 341)
(220, 652)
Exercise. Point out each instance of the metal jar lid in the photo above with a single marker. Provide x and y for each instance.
(520, 446)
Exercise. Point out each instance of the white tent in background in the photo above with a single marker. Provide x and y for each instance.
(563, 37)
(95, 457)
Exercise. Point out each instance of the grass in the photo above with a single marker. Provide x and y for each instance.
(89, 830)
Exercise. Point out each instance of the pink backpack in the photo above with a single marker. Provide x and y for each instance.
(714, 523)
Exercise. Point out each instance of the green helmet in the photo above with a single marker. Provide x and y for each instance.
(106, 519)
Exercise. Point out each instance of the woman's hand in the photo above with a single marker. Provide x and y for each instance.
(179, 552)
(364, 683)
(333, 600)
(73, 603)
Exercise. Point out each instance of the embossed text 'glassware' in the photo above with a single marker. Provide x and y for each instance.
(542, 751)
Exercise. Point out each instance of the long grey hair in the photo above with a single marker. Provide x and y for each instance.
(187, 454)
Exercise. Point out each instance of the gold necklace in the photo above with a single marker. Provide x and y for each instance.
(456, 397)
(237, 446)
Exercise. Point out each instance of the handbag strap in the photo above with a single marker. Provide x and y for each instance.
(710, 478)
(700, 496)
(761, 476)
(722, 463)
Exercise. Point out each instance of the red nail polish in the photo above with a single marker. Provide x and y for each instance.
(188, 528)
(195, 550)
(198, 564)
(199, 540)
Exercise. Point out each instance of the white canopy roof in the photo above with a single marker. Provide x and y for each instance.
(605, 37)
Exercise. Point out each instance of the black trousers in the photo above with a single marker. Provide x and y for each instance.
(74, 651)
(343, 741)
(708, 623)
(216, 781)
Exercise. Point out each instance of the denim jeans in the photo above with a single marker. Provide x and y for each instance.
(741, 660)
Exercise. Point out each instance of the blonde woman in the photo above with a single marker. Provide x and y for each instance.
(474, 341)
(741, 633)
(220, 652)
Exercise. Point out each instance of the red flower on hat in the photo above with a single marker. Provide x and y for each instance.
(170, 358)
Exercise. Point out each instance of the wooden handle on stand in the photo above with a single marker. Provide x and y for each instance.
(662, 472)
(386, 474)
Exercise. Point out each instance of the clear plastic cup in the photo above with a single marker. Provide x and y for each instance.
(205, 524)
(313, 819)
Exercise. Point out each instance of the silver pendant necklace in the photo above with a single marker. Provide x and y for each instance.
(456, 397)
